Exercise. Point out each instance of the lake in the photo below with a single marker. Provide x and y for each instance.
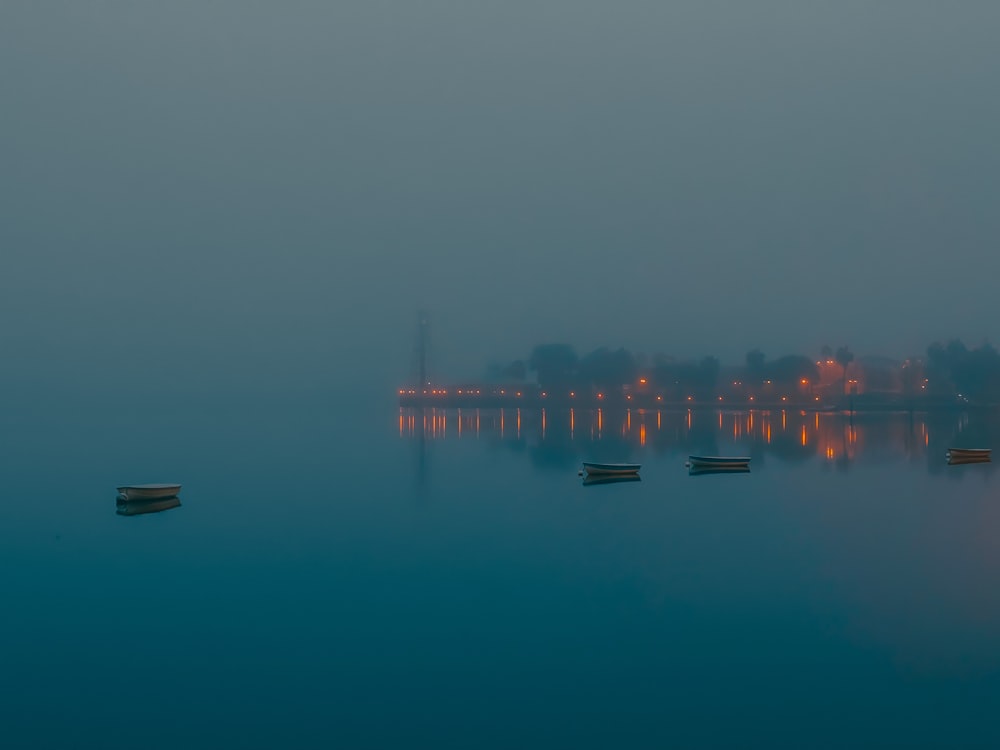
(361, 576)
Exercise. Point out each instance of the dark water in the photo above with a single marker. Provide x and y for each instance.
(354, 576)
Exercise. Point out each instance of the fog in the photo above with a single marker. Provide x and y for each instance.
(260, 196)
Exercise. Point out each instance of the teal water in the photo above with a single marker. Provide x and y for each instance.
(363, 577)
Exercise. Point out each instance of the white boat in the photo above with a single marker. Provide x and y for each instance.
(718, 462)
(610, 470)
(969, 452)
(148, 491)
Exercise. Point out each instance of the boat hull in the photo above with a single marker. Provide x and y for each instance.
(718, 462)
(148, 491)
(610, 470)
(979, 453)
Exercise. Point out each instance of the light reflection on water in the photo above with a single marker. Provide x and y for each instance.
(361, 577)
(792, 435)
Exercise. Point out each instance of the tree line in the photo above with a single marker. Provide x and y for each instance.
(947, 371)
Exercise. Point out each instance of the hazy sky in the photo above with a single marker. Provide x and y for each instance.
(265, 192)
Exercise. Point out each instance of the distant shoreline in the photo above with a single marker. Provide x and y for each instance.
(444, 398)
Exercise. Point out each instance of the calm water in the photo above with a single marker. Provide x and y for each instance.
(364, 577)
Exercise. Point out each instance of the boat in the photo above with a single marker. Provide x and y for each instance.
(718, 462)
(610, 470)
(590, 481)
(148, 491)
(138, 507)
(979, 453)
(968, 456)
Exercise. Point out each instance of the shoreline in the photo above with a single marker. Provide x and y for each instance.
(446, 400)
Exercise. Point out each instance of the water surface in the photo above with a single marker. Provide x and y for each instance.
(360, 576)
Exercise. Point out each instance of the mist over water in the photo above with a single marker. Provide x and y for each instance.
(217, 224)
(242, 195)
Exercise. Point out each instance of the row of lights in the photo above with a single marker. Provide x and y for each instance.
(544, 394)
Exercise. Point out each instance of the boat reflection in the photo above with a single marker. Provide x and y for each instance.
(591, 480)
(965, 460)
(558, 436)
(697, 471)
(139, 507)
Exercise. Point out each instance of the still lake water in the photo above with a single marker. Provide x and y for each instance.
(361, 576)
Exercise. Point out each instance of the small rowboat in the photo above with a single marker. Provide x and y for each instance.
(979, 453)
(147, 491)
(968, 456)
(718, 462)
(610, 470)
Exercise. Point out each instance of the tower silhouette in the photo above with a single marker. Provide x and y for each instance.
(422, 345)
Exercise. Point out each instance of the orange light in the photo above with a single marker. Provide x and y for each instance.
(642, 381)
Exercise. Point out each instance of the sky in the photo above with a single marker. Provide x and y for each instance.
(261, 195)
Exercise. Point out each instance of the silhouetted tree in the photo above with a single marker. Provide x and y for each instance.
(607, 369)
(554, 364)
(791, 369)
(911, 377)
(708, 374)
(973, 373)
(844, 357)
(516, 370)
(755, 363)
